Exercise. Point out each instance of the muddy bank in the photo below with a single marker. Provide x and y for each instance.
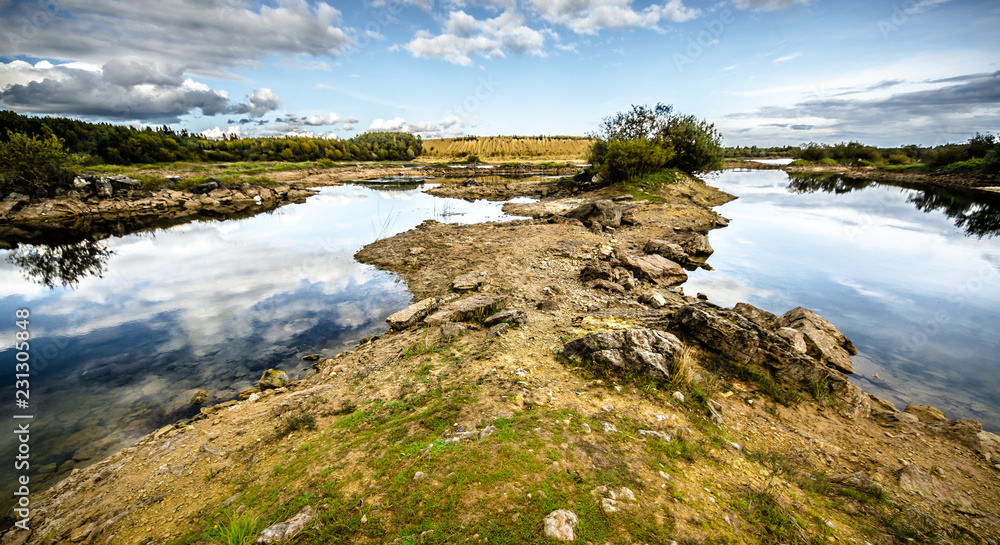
(464, 423)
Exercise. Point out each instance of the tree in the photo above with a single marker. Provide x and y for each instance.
(29, 162)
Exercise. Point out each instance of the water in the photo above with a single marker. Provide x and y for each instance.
(911, 275)
(136, 324)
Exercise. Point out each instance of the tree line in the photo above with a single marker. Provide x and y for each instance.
(981, 152)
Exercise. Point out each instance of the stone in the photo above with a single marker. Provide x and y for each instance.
(496, 330)
(273, 378)
(695, 244)
(206, 187)
(285, 531)
(656, 435)
(678, 396)
(560, 524)
(914, 480)
(796, 339)
(81, 533)
(608, 427)
(604, 212)
(465, 309)
(823, 341)
(723, 331)
(487, 431)
(469, 281)
(411, 315)
(245, 394)
(760, 317)
(667, 249)
(199, 397)
(597, 270)
(609, 505)
(103, 188)
(881, 406)
(925, 413)
(653, 299)
(643, 350)
(513, 316)
(420, 476)
(629, 217)
(606, 285)
(655, 268)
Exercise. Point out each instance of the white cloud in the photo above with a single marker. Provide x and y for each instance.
(767, 5)
(464, 36)
(592, 16)
(451, 125)
(217, 133)
(787, 57)
(148, 92)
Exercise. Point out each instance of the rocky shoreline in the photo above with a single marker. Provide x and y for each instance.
(607, 405)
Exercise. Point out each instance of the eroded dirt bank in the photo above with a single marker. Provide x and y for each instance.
(458, 426)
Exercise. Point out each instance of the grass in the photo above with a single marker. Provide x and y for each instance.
(239, 530)
(645, 187)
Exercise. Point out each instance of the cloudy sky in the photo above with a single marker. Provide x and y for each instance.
(767, 72)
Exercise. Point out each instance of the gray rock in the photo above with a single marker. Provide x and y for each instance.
(643, 350)
(604, 212)
(606, 285)
(411, 315)
(823, 341)
(199, 397)
(465, 309)
(695, 244)
(513, 316)
(469, 281)
(678, 396)
(796, 339)
(720, 330)
(656, 268)
(450, 331)
(420, 476)
(206, 187)
(560, 525)
(487, 431)
(653, 299)
(667, 249)
(273, 378)
(608, 427)
(498, 329)
(103, 188)
(758, 316)
(284, 531)
(609, 505)
(656, 435)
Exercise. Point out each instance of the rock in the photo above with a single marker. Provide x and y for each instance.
(560, 524)
(284, 531)
(411, 315)
(121, 182)
(723, 331)
(469, 281)
(653, 299)
(621, 198)
(245, 394)
(199, 397)
(604, 212)
(477, 306)
(796, 339)
(608, 427)
(925, 413)
(273, 378)
(420, 476)
(103, 188)
(695, 244)
(498, 329)
(609, 505)
(643, 350)
(702, 296)
(823, 341)
(656, 268)
(881, 406)
(487, 431)
(678, 396)
(513, 316)
(209, 185)
(597, 270)
(760, 317)
(656, 434)
(607, 285)
(11, 201)
(81, 533)
(450, 331)
(669, 250)
(628, 216)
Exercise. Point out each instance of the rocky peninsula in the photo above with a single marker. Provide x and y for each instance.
(552, 382)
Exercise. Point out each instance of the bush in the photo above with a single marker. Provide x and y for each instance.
(898, 159)
(697, 145)
(812, 152)
(30, 162)
(622, 160)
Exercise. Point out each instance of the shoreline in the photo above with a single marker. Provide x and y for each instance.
(166, 486)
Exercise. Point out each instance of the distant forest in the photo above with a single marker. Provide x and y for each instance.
(96, 143)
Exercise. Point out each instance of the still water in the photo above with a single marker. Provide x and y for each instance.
(911, 275)
(149, 318)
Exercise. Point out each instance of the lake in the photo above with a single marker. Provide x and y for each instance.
(910, 274)
(148, 318)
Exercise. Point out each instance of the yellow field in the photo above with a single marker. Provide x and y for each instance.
(502, 149)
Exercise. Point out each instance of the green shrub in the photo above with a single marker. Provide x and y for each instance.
(29, 162)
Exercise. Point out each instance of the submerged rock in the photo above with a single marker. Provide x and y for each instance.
(199, 397)
(925, 413)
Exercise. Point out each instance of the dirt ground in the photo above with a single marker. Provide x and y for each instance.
(377, 441)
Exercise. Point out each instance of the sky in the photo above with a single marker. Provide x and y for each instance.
(765, 72)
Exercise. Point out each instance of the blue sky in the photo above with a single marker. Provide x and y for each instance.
(766, 72)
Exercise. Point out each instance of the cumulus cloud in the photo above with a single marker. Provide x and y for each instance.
(292, 125)
(231, 33)
(464, 36)
(217, 133)
(591, 16)
(451, 125)
(119, 91)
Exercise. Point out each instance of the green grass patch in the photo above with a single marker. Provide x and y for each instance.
(898, 168)
(644, 187)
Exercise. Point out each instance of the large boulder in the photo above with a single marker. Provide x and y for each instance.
(477, 306)
(823, 341)
(273, 378)
(667, 249)
(694, 243)
(655, 268)
(604, 212)
(643, 350)
(722, 331)
(758, 316)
